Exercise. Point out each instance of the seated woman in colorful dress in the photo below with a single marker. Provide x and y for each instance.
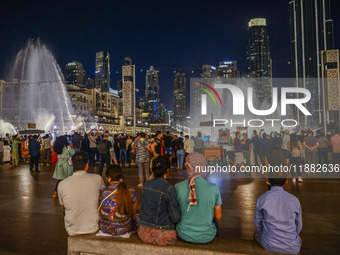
(159, 211)
(118, 205)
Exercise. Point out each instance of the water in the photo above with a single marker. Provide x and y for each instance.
(39, 95)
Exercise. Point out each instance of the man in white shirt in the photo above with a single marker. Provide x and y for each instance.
(188, 145)
(79, 196)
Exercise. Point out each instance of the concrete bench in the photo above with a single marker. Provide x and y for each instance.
(93, 245)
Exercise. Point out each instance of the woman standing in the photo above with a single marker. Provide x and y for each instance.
(15, 150)
(7, 152)
(63, 167)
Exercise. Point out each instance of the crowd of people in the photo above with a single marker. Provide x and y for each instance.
(299, 148)
(188, 211)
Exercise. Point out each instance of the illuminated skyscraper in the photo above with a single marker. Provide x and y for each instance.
(180, 99)
(228, 69)
(258, 60)
(102, 73)
(151, 105)
(311, 31)
(75, 74)
(128, 87)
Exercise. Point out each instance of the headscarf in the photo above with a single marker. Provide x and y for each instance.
(194, 162)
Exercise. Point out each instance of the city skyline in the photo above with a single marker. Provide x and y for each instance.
(198, 36)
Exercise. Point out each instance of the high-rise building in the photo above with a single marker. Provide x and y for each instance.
(75, 74)
(311, 31)
(259, 63)
(228, 69)
(102, 73)
(128, 87)
(89, 83)
(180, 99)
(151, 105)
(208, 71)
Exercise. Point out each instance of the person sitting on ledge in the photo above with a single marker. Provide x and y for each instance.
(118, 205)
(278, 219)
(159, 211)
(79, 194)
(200, 203)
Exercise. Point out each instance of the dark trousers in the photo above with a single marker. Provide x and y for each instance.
(323, 155)
(34, 160)
(336, 158)
(104, 159)
(56, 185)
(217, 227)
(121, 153)
(264, 155)
(256, 155)
(93, 155)
(295, 161)
(1, 157)
(46, 155)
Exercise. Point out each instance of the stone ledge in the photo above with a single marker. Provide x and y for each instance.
(93, 245)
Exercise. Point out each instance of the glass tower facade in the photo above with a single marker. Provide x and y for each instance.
(102, 73)
(151, 105)
(259, 65)
(75, 74)
(311, 31)
(180, 99)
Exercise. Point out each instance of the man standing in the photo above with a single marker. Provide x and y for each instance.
(335, 141)
(76, 142)
(46, 146)
(122, 150)
(34, 147)
(167, 146)
(156, 145)
(142, 156)
(311, 144)
(93, 146)
(188, 145)
(199, 143)
(255, 140)
(104, 149)
(246, 147)
(78, 195)
(239, 158)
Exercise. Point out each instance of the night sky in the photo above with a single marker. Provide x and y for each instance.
(170, 35)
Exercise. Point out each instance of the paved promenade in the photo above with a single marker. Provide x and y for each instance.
(32, 221)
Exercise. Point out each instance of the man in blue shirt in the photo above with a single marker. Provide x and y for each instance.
(278, 219)
(34, 147)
